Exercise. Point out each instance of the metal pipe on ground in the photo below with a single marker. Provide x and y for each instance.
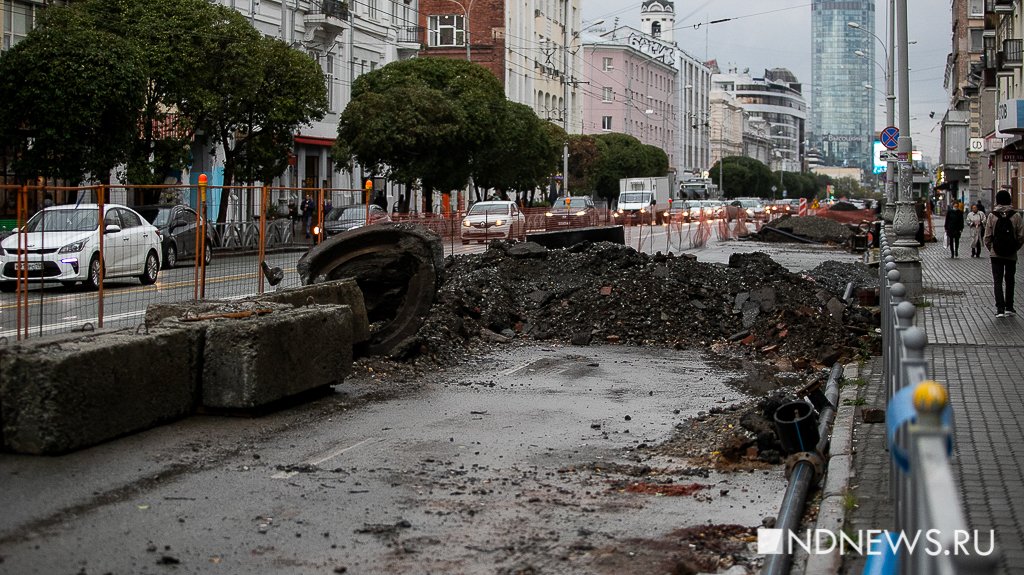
(801, 478)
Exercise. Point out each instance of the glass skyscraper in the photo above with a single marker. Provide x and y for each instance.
(842, 108)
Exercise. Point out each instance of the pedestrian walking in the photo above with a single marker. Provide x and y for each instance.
(954, 228)
(1004, 236)
(308, 207)
(975, 221)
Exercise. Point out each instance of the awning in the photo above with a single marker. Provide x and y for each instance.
(314, 141)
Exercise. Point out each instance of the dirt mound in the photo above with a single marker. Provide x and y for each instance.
(818, 229)
(607, 292)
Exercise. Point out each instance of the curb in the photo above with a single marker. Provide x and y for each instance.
(832, 509)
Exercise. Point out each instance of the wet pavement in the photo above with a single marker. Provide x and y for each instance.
(535, 459)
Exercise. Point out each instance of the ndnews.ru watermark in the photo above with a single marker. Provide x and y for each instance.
(876, 542)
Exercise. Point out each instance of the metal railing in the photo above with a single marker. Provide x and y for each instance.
(919, 431)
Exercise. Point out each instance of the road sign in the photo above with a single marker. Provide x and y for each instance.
(888, 156)
(890, 137)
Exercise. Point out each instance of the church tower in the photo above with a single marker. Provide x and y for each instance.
(658, 19)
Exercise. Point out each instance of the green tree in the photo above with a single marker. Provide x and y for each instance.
(623, 156)
(425, 118)
(255, 93)
(743, 177)
(583, 159)
(525, 155)
(69, 96)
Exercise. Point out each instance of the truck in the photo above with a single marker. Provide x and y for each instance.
(642, 200)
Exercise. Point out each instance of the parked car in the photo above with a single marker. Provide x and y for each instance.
(177, 227)
(579, 212)
(62, 243)
(493, 220)
(751, 208)
(713, 209)
(345, 218)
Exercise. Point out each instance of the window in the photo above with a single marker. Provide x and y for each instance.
(976, 9)
(606, 123)
(446, 30)
(977, 39)
(607, 95)
(606, 64)
(17, 22)
(329, 80)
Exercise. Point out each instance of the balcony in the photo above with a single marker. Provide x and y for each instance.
(325, 21)
(1002, 6)
(330, 9)
(409, 39)
(1013, 53)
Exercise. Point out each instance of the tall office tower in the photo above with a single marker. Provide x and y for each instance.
(844, 89)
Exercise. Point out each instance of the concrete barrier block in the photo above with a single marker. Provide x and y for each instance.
(68, 392)
(335, 292)
(243, 358)
(193, 310)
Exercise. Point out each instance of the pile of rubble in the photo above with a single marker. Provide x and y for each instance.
(813, 228)
(610, 293)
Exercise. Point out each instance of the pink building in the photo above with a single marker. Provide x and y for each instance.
(632, 88)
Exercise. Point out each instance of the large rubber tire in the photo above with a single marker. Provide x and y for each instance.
(398, 267)
(8, 287)
(151, 269)
(170, 256)
(208, 257)
(92, 278)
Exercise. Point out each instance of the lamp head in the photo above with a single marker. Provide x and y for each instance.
(853, 24)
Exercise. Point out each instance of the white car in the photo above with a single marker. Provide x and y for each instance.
(62, 243)
(493, 220)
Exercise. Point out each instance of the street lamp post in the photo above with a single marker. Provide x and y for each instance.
(890, 102)
(465, 11)
(905, 219)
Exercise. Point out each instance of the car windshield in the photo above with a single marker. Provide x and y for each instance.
(348, 213)
(156, 216)
(489, 209)
(574, 203)
(635, 197)
(63, 220)
(693, 204)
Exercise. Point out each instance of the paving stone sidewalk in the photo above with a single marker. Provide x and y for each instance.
(981, 360)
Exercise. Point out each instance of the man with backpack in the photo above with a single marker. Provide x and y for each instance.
(1004, 236)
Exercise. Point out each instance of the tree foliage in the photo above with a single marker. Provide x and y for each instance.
(425, 118)
(100, 83)
(68, 100)
(623, 156)
(524, 156)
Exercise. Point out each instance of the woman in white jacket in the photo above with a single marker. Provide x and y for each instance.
(976, 224)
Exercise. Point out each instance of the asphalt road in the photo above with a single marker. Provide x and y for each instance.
(517, 463)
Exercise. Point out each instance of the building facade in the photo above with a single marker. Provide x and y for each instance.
(531, 46)
(633, 89)
(960, 161)
(1003, 80)
(843, 109)
(776, 111)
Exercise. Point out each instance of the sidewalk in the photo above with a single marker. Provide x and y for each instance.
(981, 360)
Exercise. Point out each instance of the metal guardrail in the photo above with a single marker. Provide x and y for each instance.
(919, 430)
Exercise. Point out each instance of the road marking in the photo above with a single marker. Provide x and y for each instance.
(317, 461)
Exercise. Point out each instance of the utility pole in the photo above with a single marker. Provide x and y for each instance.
(890, 116)
(565, 100)
(905, 220)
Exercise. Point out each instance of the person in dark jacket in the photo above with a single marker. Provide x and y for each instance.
(1004, 267)
(954, 227)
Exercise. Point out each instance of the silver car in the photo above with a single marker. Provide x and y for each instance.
(62, 243)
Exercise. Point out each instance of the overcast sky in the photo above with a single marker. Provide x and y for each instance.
(777, 34)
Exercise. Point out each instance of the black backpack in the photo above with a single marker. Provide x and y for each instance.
(1004, 237)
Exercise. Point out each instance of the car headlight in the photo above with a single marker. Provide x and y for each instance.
(643, 210)
(499, 222)
(73, 247)
(466, 224)
(581, 213)
(548, 214)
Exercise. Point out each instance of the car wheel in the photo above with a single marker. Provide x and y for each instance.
(8, 287)
(150, 271)
(207, 253)
(170, 256)
(92, 280)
